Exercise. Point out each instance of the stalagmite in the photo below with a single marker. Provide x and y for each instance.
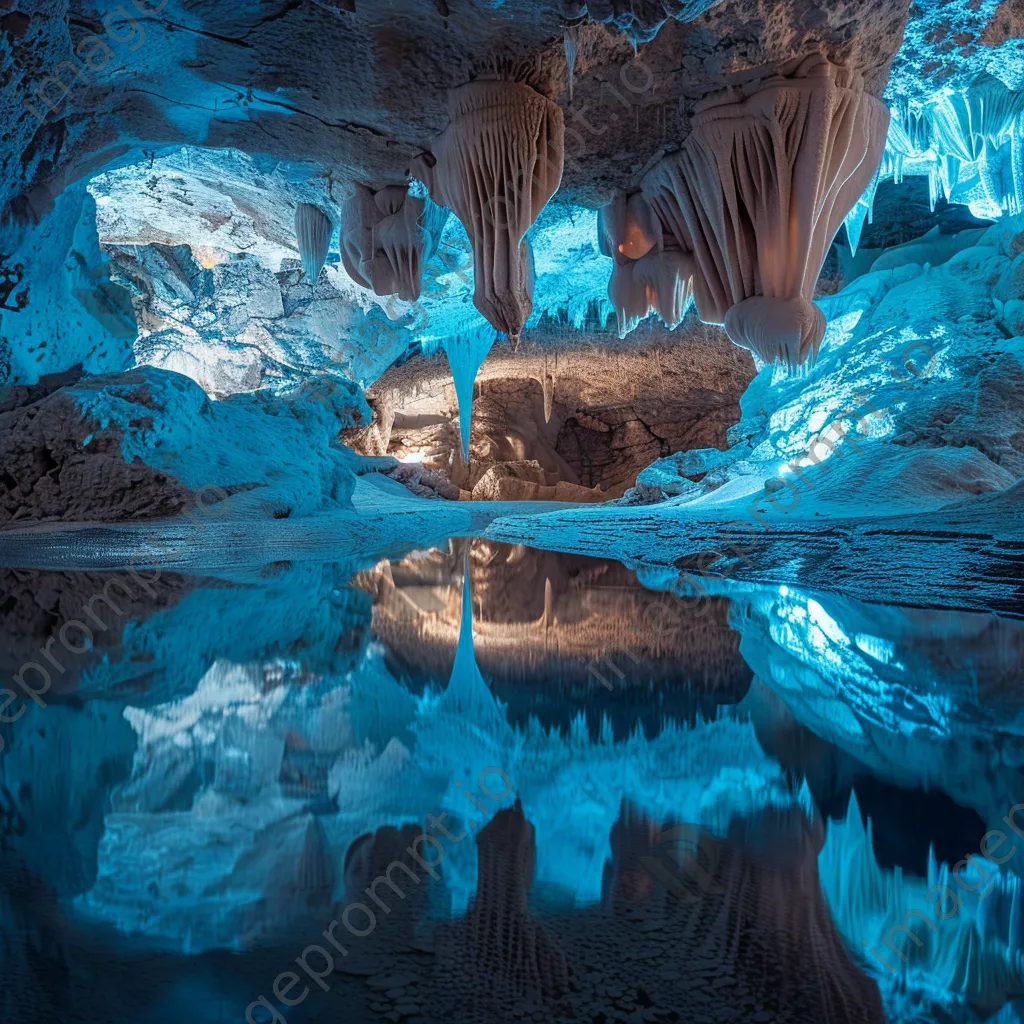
(495, 166)
(466, 353)
(768, 173)
(386, 238)
(313, 230)
(548, 388)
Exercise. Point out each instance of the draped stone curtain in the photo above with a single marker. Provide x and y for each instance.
(760, 187)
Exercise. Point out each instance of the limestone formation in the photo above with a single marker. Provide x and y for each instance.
(738, 908)
(649, 270)
(758, 190)
(504, 954)
(313, 229)
(387, 236)
(495, 166)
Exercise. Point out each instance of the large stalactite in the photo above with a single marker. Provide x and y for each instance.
(387, 235)
(495, 166)
(758, 190)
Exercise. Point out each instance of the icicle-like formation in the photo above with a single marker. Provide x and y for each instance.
(466, 353)
(571, 42)
(495, 166)
(758, 190)
(863, 210)
(548, 388)
(1015, 203)
(659, 282)
(650, 272)
(967, 143)
(386, 238)
(467, 695)
(313, 231)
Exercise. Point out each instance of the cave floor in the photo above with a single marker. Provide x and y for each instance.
(968, 556)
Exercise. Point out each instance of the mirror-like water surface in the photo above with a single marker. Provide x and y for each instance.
(492, 783)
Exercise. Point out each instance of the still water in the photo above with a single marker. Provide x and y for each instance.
(550, 794)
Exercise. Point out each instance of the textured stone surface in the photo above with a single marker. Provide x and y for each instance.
(59, 464)
(365, 120)
(615, 406)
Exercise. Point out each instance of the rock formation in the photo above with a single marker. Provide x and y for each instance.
(387, 236)
(769, 171)
(737, 908)
(498, 954)
(313, 229)
(495, 166)
(650, 271)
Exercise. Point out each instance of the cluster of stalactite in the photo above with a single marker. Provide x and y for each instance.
(969, 144)
(743, 213)
(386, 237)
(737, 220)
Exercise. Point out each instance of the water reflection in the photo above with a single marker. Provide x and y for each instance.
(191, 811)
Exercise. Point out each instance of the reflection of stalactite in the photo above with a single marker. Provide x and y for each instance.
(12, 821)
(752, 913)
(499, 950)
(297, 888)
(32, 948)
(658, 866)
(970, 947)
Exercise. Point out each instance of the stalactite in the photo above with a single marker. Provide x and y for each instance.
(966, 142)
(495, 166)
(758, 190)
(548, 388)
(313, 229)
(571, 42)
(387, 236)
(862, 211)
(466, 353)
(658, 282)
(649, 270)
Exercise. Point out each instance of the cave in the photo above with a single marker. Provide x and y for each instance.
(512, 510)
